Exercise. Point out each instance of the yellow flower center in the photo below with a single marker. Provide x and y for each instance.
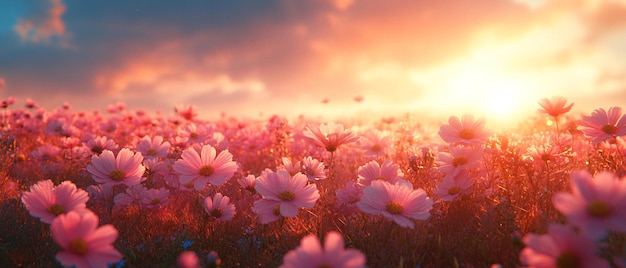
(56, 209)
(331, 148)
(376, 148)
(567, 260)
(117, 175)
(394, 208)
(189, 185)
(97, 149)
(467, 134)
(78, 246)
(194, 135)
(217, 212)
(206, 170)
(309, 171)
(276, 210)
(454, 190)
(155, 201)
(459, 161)
(598, 209)
(287, 195)
(151, 152)
(609, 129)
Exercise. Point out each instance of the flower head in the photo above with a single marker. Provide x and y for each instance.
(154, 197)
(330, 136)
(372, 171)
(465, 130)
(152, 148)
(595, 205)
(560, 247)
(292, 192)
(396, 202)
(84, 244)
(126, 168)
(206, 167)
(313, 169)
(46, 202)
(310, 253)
(453, 185)
(554, 106)
(602, 125)
(219, 207)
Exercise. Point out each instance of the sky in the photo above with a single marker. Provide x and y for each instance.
(326, 58)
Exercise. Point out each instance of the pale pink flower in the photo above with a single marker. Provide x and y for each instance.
(595, 205)
(560, 247)
(396, 202)
(186, 111)
(349, 195)
(465, 130)
(372, 171)
(602, 125)
(292, 192)
(125, 168)
(188, 259)
(98, 144)
(46, 202)
(330, 136)
(310, 254)
(132, 195)
(155, 197)
(84, 244)
(289, 166)
(554, 106)
(459, 158)
(152, 148)
(219, 207)
(206, 167)
(194, 133)
(247, 182)
(268, 210)
(46, 152)
(313, 169)
(453, 185)
(375, 143)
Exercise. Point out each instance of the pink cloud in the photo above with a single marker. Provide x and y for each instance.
(44, 27)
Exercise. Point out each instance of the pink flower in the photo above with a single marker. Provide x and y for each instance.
(205, 167)
(84, 244)
(310, 253)
(290, 167)
(595, 205)
(98, 144)
(46, 202)
(186, 111)
(188, 259)
(268, 210)
(313, 169)
(602, 125)
(375, 144)
(396, 202)
(126, 168)
(155, 197)
(554, 106)
(248, 183)
(459, 158)
(152, 148)
(372, 171)
(219, 207)
(292, 192)
(560, 247)
(349, 195)
(330, 136)
(464, 131)
(453, 185)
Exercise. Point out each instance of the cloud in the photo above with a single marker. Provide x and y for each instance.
(45, 28)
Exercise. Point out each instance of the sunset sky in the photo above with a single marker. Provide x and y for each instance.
(436, 58)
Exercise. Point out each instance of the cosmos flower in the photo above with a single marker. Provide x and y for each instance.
(595, 205)
(313, 169)
(459, 158)
(375, 143)
(453, 185)
(349, 195)
(464, 131)
(98, 144)
(310, 253)
(219, 207)
(152, 148)
(125, 168)
(555, 106)
(330, 136)
(206, 167)
(247, 182)
(560, 247)
(292, 192)
(396, 202)
(186, 111)
(602, 125)
(46, 202)
(372, 171)
(83, 243)
(290, 166)
(155, 197)
(268, 210)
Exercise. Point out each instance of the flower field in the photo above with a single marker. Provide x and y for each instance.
(125, 188)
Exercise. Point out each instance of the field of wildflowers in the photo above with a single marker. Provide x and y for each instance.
(130, 189)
